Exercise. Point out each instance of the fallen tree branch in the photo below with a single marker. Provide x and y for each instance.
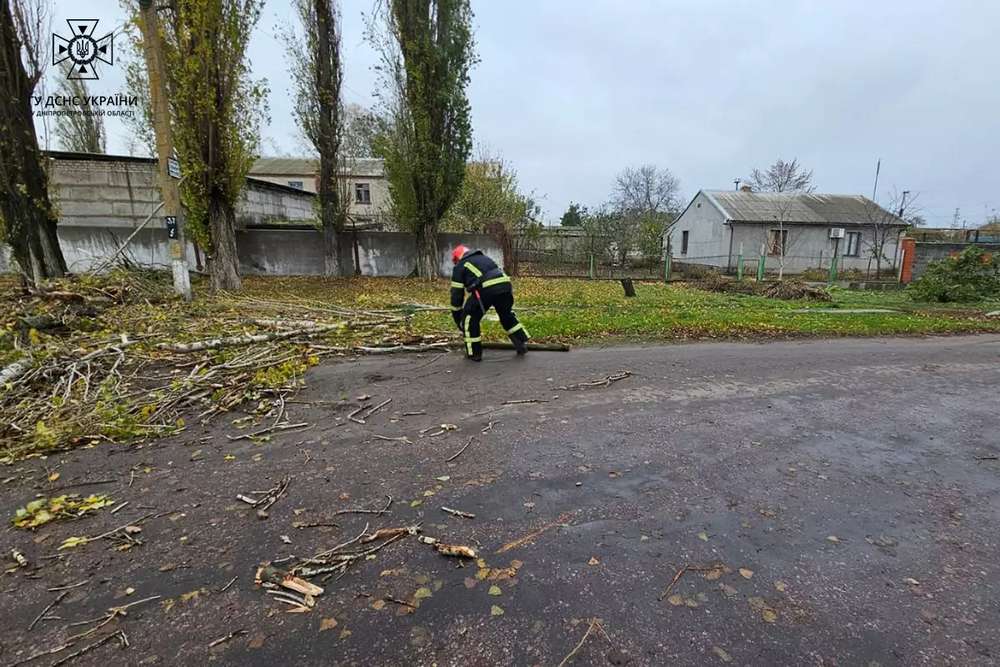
(593, 624)
(47, 608)
(231, 635)
(270, 429)
(363, 511)
(603, 382)
(402, 438)
(464, 515)
(216, 343)
(459, 452)
(13, 372)
(429, 347)
(377, 408)
(677, 577)
(86, 649)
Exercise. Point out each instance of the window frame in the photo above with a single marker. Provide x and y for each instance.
(847, 244)
(685, 239)
(772, 250)
(362, 193)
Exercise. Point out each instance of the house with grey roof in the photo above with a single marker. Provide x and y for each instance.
(796, 231)
(362, 179)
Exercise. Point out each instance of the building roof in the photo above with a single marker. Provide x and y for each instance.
(816, 209)
(305, 166)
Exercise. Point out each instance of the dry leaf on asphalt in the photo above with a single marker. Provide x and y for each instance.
(327, 624)
(496, 610)
(495, 590)
(745, 573)
(593, 561)
(781, 586)
(676, 600)
(722, 653)
(703, 536)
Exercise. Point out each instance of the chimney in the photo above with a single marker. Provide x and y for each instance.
(746, 188)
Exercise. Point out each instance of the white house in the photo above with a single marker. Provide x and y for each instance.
(801, 230)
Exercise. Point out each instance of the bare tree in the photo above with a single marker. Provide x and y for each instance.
(29, 221)
(782, 181)
(885, 224)
(318, 74)
(644, 204)
(83, 130)
(646, 189)
(361, 127)
(782, 177)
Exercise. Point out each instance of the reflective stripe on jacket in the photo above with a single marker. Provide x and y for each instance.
(474, 271)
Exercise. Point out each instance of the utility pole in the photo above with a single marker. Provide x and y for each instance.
(168, 173)
(902, 204)
(736, 181)
(878, 168)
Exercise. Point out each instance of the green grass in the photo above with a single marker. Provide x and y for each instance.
(586, 311)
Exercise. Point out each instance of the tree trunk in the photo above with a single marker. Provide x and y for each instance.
(427, 252)
(24, 194)
(331, 251)
(223, 266)
(328, 79)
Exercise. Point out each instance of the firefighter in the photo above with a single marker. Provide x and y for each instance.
(488, 287)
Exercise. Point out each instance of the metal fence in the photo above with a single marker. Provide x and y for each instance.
(583, 257)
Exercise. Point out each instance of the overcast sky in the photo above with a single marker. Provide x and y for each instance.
(572, 91)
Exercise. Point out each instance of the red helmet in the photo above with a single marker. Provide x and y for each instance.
(458, 253)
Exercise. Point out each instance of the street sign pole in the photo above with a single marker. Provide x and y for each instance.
(169, 166)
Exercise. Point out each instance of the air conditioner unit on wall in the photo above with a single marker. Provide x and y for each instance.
(837, 233)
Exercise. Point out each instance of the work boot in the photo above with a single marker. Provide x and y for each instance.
(521, 347)
(475, 357)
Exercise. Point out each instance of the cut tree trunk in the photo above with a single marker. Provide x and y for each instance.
(427, 252)
(223, 266)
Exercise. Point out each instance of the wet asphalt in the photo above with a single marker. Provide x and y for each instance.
(825, 503)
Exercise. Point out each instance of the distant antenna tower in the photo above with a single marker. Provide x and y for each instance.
(736, 182)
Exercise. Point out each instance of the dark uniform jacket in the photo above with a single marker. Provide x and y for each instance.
(476, 271)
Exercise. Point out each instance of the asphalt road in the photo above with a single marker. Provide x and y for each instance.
(834, 503)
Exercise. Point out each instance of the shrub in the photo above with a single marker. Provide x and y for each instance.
(971, 276)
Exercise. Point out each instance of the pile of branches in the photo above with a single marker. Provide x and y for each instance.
(779, 289)
(141, 363)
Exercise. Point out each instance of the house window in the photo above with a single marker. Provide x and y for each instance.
(362, 193)
(853, 248)
(684, 242)
(295, 184)
(777, 242)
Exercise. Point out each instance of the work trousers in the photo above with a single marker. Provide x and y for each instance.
(472, 315)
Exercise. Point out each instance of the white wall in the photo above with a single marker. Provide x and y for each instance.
(708, 235)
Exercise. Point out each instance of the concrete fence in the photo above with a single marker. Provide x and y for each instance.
(267, 250)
